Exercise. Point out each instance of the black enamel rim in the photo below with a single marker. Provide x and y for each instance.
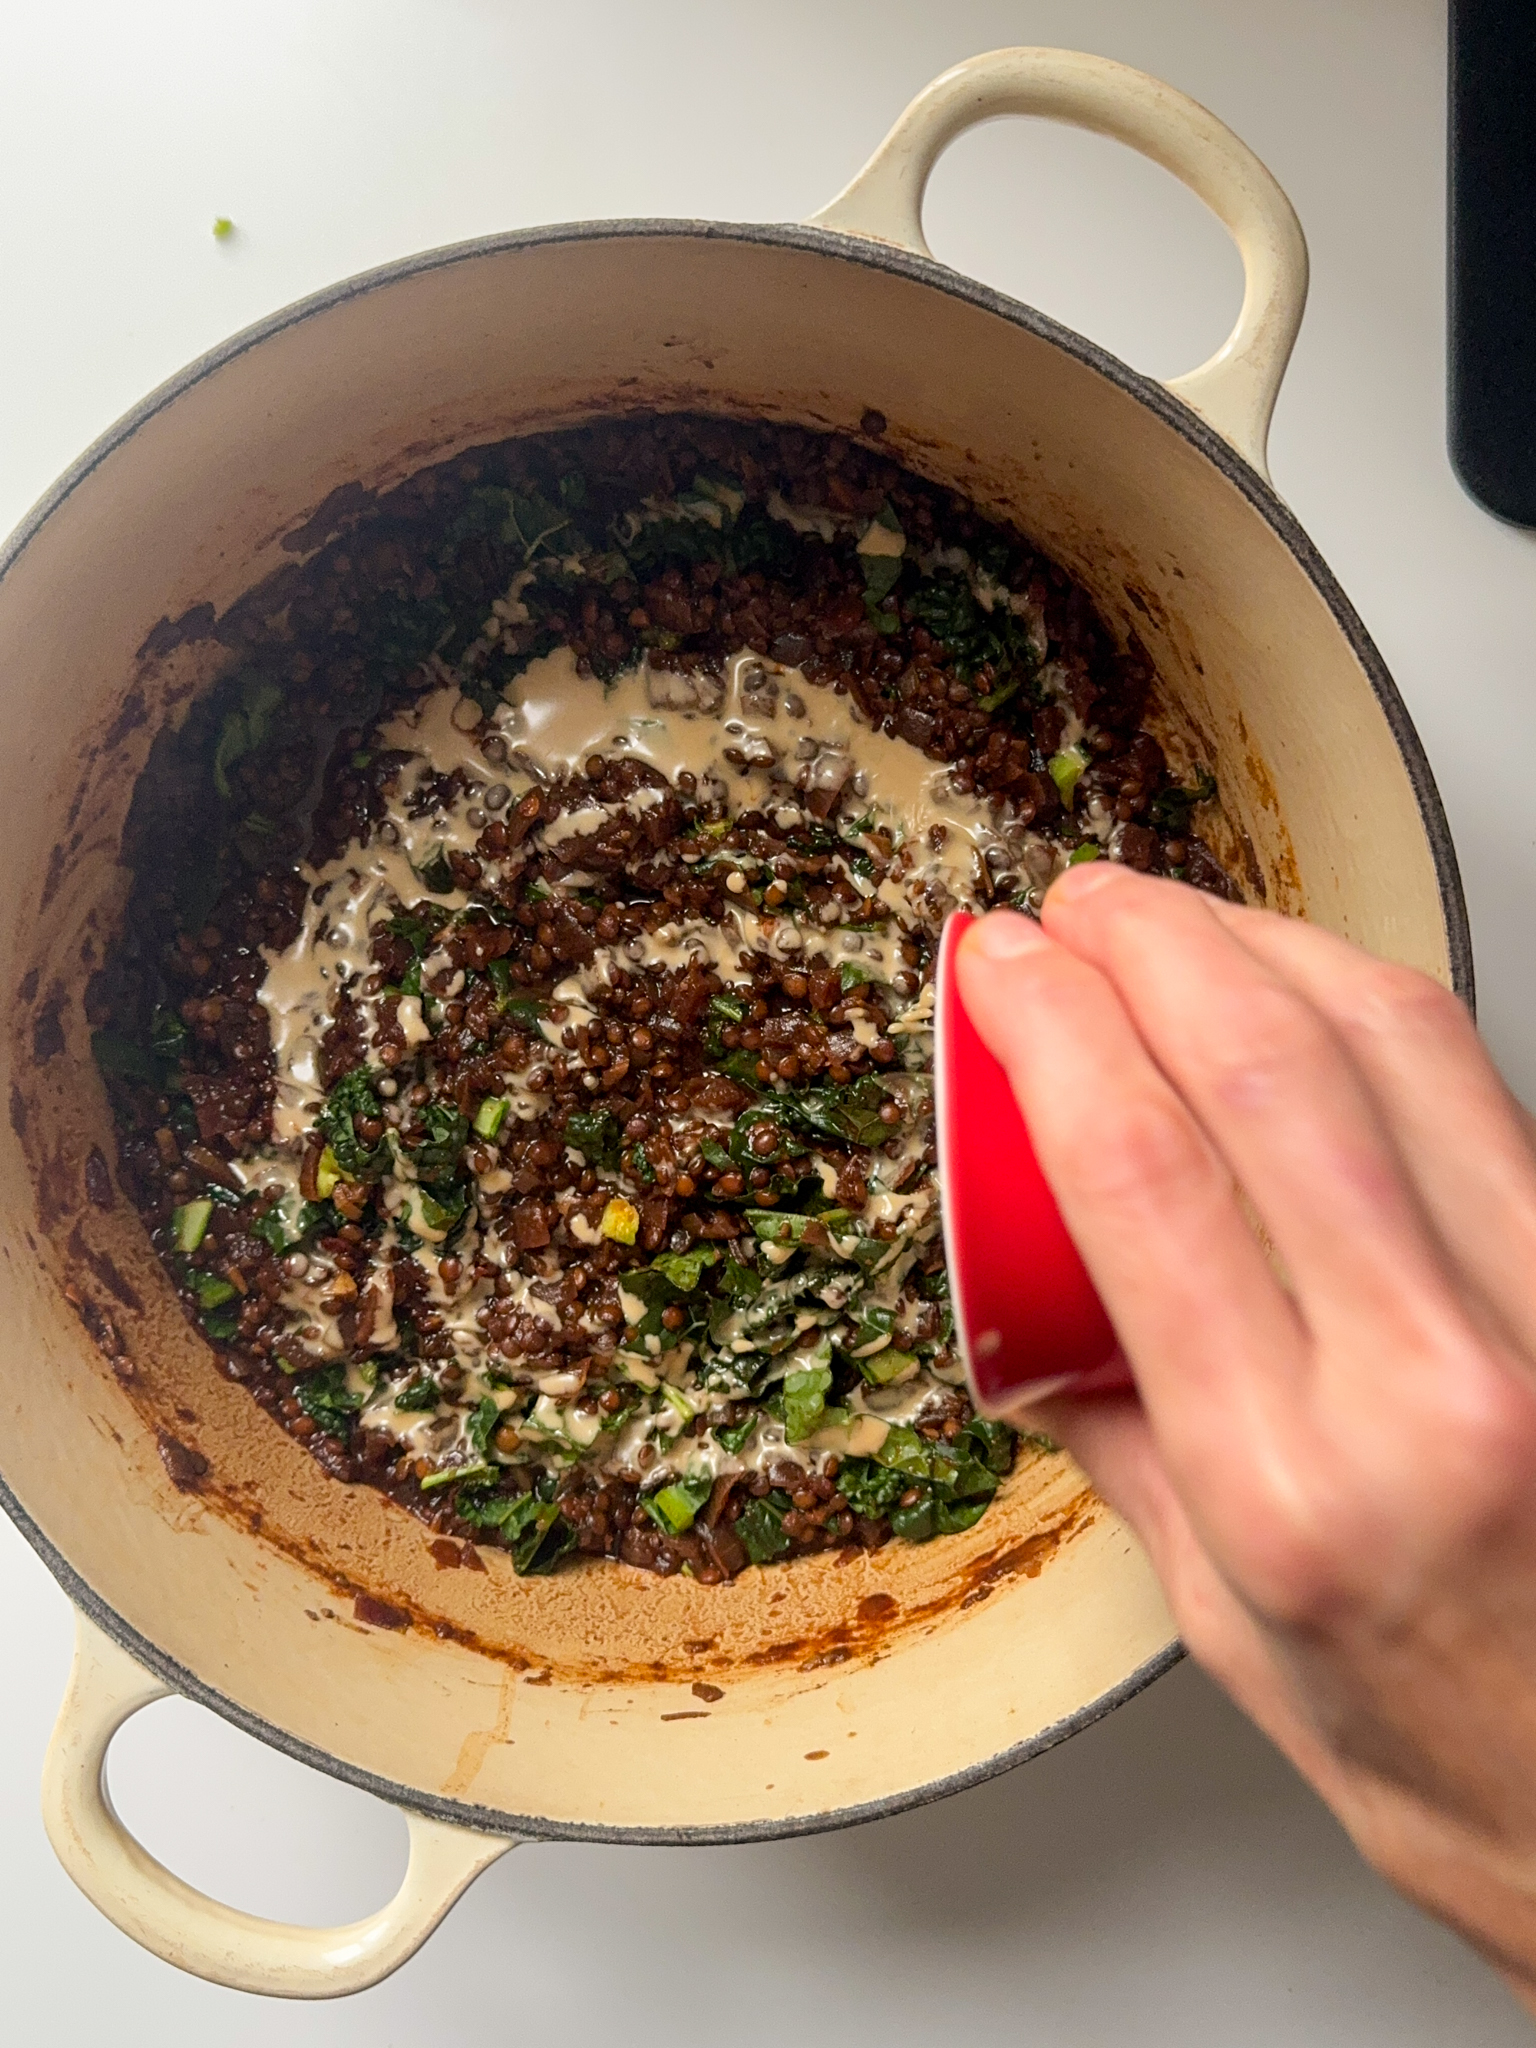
(1174, 414)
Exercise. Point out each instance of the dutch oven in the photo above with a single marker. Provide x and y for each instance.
(207, 1554)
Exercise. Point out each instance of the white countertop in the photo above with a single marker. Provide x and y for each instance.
(1162, 1879)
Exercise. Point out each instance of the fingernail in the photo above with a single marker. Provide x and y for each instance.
(1005, 935)
(1086, 877)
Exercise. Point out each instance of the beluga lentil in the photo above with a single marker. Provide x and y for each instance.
(520, 1032)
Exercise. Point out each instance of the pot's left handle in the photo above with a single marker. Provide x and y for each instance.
(1234, 391)
(153, 1907)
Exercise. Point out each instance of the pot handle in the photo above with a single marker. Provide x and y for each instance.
(1234, 391)
(156, 1909)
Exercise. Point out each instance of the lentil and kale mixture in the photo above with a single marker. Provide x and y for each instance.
(520, 1034)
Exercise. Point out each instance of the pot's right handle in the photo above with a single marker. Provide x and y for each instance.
(1235, 391)
(155, 1908)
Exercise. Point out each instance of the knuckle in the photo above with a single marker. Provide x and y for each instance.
(1263, 1044)
(1147, 1152)
(1484, 1429)
(1395, 997)
(1296, 1570)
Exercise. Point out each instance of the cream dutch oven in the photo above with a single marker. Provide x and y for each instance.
(206, 1553)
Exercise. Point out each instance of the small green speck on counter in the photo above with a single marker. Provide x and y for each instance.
(223, 228)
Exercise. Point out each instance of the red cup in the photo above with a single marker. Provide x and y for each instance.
(1028, 1321)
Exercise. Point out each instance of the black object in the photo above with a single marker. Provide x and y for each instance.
(1492, 256)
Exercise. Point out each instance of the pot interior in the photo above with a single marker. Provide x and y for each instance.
(602, 1699)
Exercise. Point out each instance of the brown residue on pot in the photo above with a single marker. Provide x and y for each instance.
(98, 1179)
(168, 634)
(55, 1184)
(879, 1619)
(1028, 1559)
(105, 1270)
(1148, 604)
(132, 713)
(346, 503)
(103, 1333)
(48, 1023)
(185, 1467)
(379, 1613)
(1253, 874)
(53, 878)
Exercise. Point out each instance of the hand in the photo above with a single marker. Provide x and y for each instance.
(1332, 1460)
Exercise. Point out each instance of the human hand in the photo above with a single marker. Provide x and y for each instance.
(1332, 1459)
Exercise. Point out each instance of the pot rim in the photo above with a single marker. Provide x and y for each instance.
(1174, 413)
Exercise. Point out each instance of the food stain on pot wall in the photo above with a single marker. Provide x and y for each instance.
(479, 1742)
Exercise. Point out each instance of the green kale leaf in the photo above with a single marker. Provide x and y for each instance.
(759, 541)
(1170, 810)
(870, 1489)
(976, 638)
(596, 1136)
(436, 1158)
(245, 729)
(327, 1401)
(732, 1437)
(760, 1525)
(780, 1118)
(674, 1506)
(533, 1529)
(353, 1098)
(805, 1399)
(850, 1114)
(419, 1397)
(483, 1425)
(684, 1269)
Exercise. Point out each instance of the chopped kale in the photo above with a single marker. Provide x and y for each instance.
(732, 1437)
(532, 1528)
(1170, 811)
(997, 641)
(673, 1507)
(169, 1038)
(596, 1136)
(870, 1489)
(419, 1397)
(436, 1157)
(760, 1525)
(246, 728)
(805, 1399)
(418, 928)
(779, 1118)
(124, 1059)
(353, 1099)
(684, 1269)
(850, 1114)
(483, 1424)
(327, 1400)
(434, 873)
(444, 1203)
(759, 541)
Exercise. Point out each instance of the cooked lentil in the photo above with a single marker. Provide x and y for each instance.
(520, 1032)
